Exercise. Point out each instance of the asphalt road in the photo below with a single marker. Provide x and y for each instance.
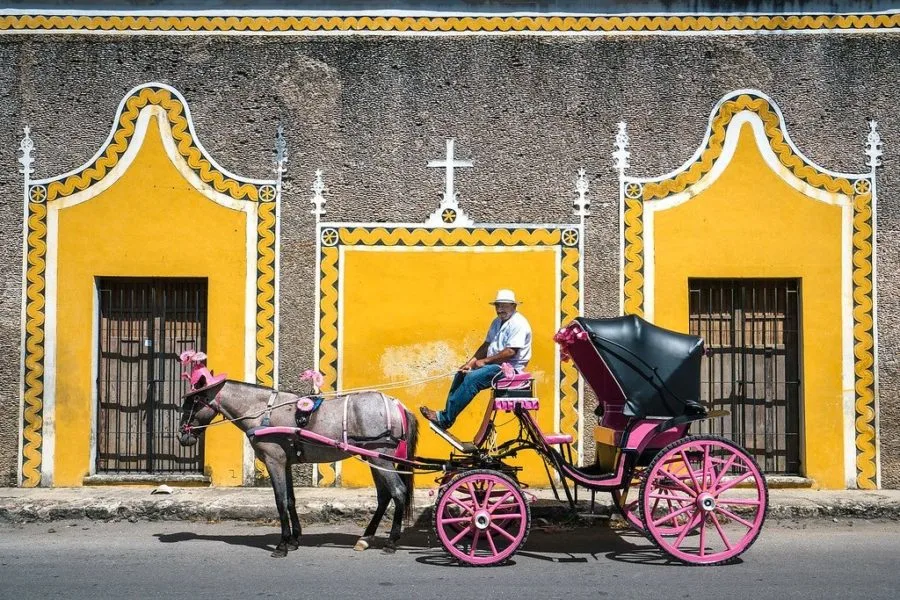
(86, 559)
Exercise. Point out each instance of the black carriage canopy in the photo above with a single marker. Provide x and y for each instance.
(658, 369)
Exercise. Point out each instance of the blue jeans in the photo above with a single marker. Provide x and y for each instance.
(463, 390)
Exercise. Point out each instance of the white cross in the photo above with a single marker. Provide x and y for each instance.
(449, 164)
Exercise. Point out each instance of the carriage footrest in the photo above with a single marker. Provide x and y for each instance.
(557, 438)
(467, 447)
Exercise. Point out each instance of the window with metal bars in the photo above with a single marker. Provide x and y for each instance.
(752, 369)
(145, 324)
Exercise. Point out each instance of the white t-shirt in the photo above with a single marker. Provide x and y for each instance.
(514, 333)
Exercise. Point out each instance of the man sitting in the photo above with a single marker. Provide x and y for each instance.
(508, 340)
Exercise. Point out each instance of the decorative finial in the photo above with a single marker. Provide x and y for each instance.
(25, 147)
(318, 200)
(281, 151)
(622, 154)
(873, 145)
(582, 204)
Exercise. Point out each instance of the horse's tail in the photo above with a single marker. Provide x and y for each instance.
(412, 439)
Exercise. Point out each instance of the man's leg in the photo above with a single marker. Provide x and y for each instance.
(464, 390)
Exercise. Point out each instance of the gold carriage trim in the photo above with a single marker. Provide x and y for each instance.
(452, 24)
(184, 141)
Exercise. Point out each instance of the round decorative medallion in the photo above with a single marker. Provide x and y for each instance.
(448, 216)
(37, 193)
(330, 237)
(570, 237)
(862, 186)
(633, 190)
(267, 193)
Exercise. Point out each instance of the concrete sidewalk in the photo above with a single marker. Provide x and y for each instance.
(322, 505)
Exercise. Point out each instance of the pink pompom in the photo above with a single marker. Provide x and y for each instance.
(508, 370)
(314, 376)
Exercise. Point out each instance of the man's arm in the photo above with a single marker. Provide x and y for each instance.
(479, 355)
(480, 359)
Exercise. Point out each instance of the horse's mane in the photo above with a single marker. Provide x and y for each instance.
(258, 386)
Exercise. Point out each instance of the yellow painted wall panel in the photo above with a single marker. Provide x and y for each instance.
(420, 312)
(149, 223)
(751, 223)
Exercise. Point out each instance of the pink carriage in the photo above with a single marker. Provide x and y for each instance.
(701, 499)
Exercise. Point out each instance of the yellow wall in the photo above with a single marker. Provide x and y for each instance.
(415, 313)
(151, 222)
(751, 223)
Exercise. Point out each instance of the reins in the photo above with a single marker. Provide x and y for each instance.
(215, 405)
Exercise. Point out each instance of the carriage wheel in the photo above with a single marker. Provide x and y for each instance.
(482, 517)
(704, 500)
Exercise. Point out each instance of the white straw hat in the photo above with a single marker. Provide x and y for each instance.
(507, 296)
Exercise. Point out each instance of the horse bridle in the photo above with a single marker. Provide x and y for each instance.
(215, 406)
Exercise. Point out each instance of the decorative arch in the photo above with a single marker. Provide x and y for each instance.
(642, 199)
(150, 116)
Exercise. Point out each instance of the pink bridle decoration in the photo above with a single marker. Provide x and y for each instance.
(508, 370)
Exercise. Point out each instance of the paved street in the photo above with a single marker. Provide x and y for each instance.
(812, 559)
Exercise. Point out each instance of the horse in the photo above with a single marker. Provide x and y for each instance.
(370, 420)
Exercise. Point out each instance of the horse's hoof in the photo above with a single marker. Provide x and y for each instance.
(361, 544)
(389, 548)
(279, 553)
(293, 546)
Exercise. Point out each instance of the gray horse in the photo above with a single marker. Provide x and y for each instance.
(369, 420)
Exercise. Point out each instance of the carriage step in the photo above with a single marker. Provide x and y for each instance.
(467, 447)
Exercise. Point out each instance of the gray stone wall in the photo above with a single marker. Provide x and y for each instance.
(371, 110)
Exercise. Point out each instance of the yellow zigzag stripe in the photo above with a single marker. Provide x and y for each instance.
(569, 288)
(432, 237)
(634, 262)
(782, 149)
(863, 342)
(328, 340)
(185, 143)
(450, 24)
(34, 346)
(265, 293)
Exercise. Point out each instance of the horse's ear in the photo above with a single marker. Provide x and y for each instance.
(208, 393)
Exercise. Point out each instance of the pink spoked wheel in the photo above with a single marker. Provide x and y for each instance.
(481, 517)
(704, 500)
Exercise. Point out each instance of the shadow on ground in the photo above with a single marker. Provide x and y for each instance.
(551, 543)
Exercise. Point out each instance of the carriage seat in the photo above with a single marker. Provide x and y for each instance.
(516, 386)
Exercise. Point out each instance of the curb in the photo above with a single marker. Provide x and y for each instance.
(331, 511)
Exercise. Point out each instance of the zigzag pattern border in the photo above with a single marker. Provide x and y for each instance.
(452, 24)
(864, 342)
(716, 143)
(122, 136)
(265, 294)
(328, 337)
(32, 417)
(570, 293)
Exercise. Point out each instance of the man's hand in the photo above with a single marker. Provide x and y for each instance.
(471, 364)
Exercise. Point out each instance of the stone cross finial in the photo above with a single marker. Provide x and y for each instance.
(622, 154)
(318, 199)
(449, 213)
(582, 203)
(873, 145)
